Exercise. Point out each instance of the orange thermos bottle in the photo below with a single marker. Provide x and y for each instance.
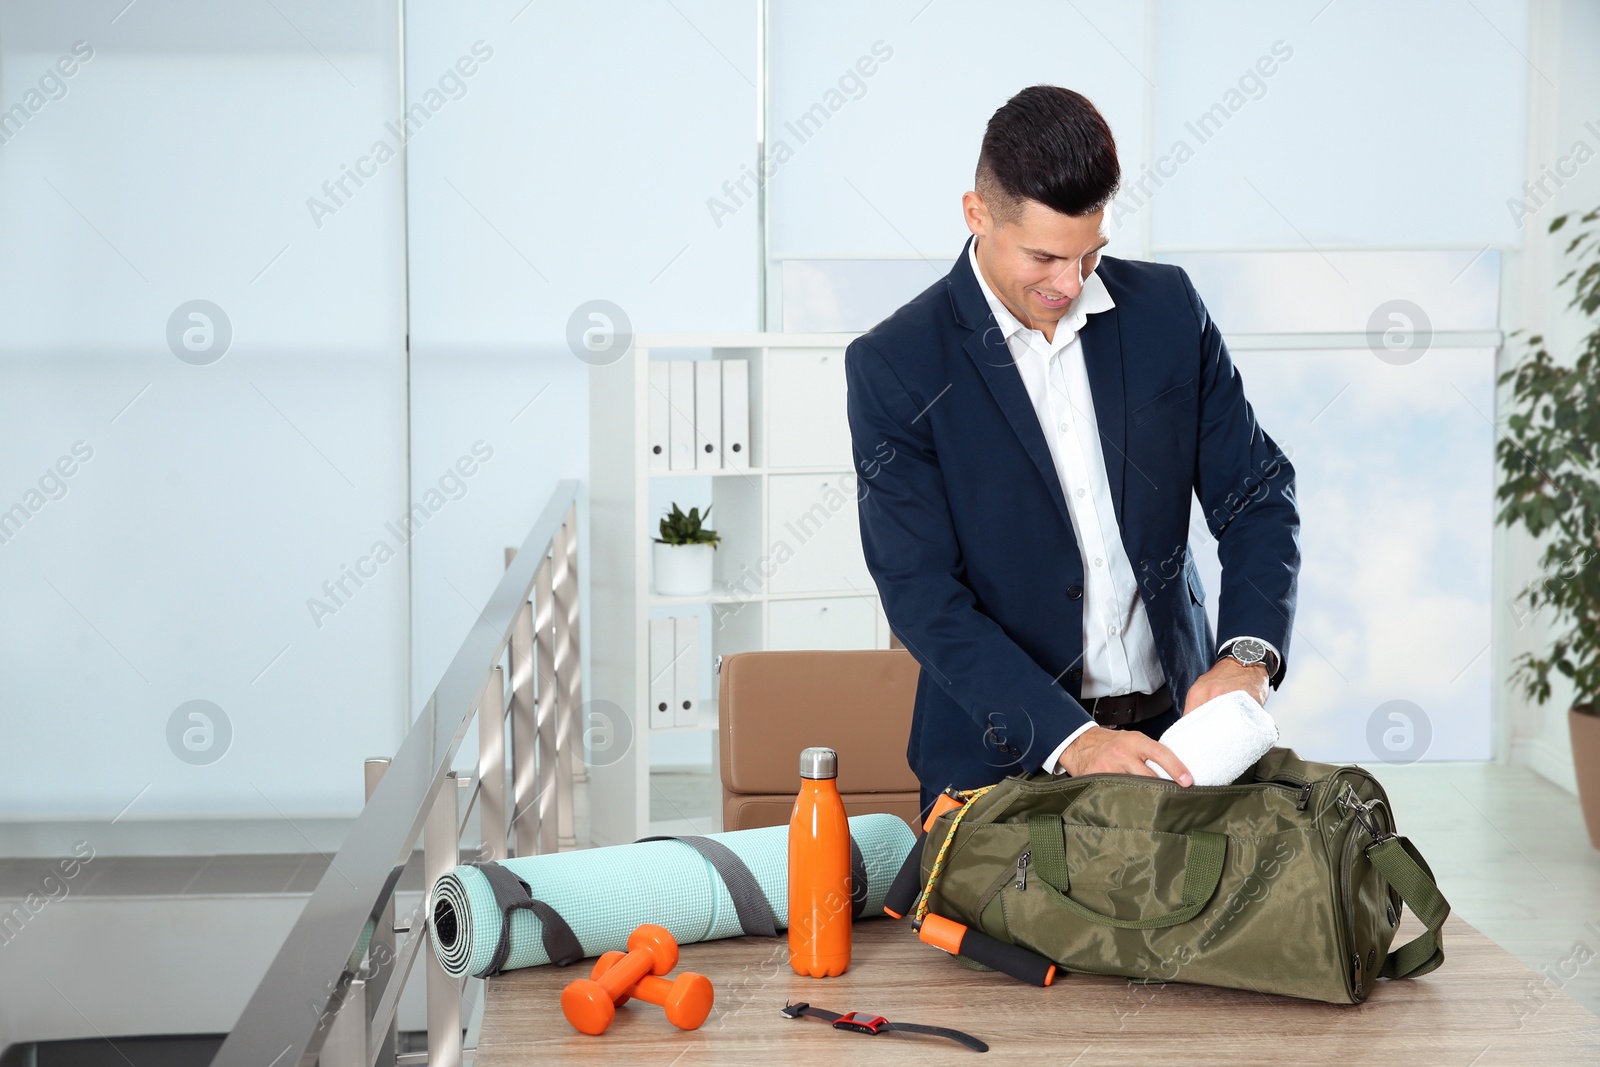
(820, 908)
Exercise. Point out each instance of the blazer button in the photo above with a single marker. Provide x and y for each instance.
(1075, 592)
(1076, 674)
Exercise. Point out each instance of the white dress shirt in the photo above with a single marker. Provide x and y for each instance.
(1119, 648)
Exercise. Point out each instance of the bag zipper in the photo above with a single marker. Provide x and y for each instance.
(1293, 784)
(1301, 784)
(1352, 804)
(1022, 869)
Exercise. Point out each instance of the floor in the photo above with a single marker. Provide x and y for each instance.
(685, 800)
(1510, 852)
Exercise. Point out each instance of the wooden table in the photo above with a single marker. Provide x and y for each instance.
(1480, 1008)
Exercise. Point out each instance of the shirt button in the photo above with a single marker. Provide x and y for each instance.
(1113, 629)
(1098, 561)
(1074, 592)
(1066, 427)
(1080, 494)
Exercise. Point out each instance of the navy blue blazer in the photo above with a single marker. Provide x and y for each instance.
(967, 534)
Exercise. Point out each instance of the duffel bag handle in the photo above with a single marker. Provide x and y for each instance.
(1202, 874)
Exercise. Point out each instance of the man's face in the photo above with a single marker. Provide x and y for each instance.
(1037, 264)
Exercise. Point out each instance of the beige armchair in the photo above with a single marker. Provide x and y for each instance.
(773, 704)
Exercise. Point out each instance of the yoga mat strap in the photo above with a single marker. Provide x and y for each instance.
(511, 894)
(749, 902)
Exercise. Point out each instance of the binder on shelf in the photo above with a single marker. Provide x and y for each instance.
(661, 667)
(680, 396)
(736, 413)
(708, 414)
(686, 670)
(659, 405)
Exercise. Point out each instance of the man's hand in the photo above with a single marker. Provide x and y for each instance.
(1228, 676)
(1100, 751)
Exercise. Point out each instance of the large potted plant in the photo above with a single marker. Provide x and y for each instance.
(683, 553)
(1550, 462)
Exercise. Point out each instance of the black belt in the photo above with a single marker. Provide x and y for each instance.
(1129, 709)
(864, 1023)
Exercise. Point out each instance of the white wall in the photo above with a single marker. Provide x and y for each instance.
(882, 178)
(1387, 125)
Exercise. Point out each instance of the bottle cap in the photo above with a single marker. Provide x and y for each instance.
(819, 763)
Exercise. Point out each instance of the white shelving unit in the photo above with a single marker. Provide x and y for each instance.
(789, 572)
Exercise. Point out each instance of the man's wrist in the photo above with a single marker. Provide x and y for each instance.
(1260, 665)
(1053, 761)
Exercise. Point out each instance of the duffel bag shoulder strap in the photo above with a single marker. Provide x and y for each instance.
(1405, 869)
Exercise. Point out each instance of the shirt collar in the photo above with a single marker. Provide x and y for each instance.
(1092, 298)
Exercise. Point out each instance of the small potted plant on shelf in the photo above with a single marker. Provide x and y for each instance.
(1550, 459)
(683, 553)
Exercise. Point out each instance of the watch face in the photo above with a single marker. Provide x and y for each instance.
(1247, 651)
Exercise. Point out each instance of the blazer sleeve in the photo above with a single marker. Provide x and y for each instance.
(1245, 485)
(909, 540)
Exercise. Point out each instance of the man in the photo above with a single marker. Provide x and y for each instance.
(1030, 432)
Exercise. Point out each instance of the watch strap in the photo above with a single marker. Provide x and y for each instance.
(876, 1024)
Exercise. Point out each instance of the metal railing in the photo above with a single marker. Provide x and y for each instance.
(332, 991)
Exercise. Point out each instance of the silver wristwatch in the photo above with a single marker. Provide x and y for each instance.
(1249, 651)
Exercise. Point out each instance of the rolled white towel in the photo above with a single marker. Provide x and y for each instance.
(1221, 739)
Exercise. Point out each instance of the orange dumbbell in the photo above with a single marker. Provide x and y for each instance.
(687, 998)
(590, 1003)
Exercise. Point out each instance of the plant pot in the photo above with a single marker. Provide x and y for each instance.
(682, 570)
(1586, 760)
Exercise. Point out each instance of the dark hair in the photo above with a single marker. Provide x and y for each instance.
(1051, 145)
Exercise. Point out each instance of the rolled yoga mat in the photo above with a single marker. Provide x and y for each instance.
(604, 893)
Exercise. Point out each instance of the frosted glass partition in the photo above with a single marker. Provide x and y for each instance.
(1394, 478)
(850, 295)
(498, 277)
(202, 415)
(1345, 291)
(1246, 292)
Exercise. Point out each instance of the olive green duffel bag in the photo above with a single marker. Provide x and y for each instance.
(1290, 880)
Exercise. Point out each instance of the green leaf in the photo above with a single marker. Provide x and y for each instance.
(1551, 435)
